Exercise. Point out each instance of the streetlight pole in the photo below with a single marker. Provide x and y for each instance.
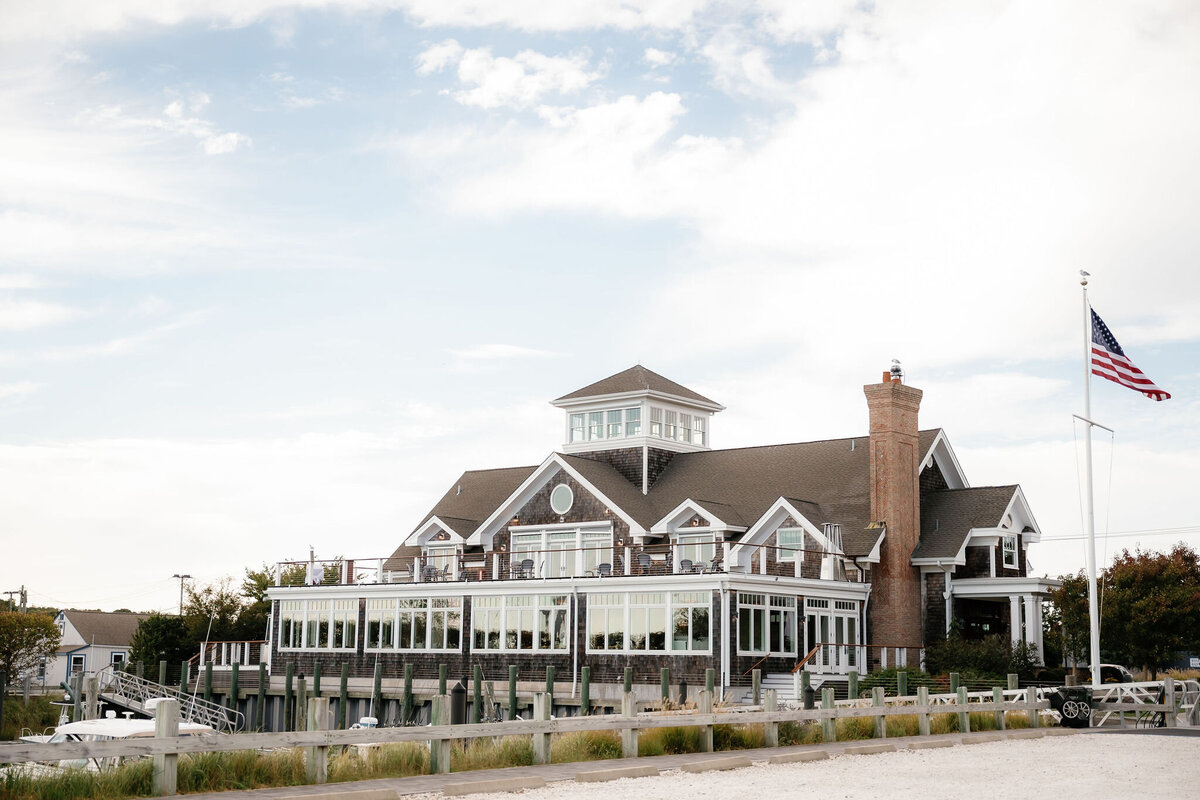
(181, 578)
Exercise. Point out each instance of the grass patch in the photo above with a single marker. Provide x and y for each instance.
(397, 760)
(489, 753)
(585, 746)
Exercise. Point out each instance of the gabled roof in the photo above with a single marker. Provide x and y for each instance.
(635, 379)
(104, 627)
(826, 481)
(474, 496)
(948, 516)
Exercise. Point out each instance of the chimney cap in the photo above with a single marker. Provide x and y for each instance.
(896, 373)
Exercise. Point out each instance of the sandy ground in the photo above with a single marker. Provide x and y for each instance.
(1061, 768)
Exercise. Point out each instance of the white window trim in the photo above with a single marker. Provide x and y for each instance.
(1004, 550)
(429, 611)
(670, 607)
(305, 605)
(537, 607)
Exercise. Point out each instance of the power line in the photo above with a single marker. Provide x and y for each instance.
(1184, 531)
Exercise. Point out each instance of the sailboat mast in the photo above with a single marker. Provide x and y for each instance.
(1090, 513)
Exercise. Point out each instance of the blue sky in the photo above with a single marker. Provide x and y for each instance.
(273, 273)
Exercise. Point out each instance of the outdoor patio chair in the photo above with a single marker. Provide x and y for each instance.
(685, 565)
(603, 570)
(643, 560)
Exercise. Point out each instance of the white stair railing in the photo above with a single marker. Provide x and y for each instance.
(130, 690)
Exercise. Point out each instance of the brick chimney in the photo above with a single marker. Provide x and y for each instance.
(895, 606)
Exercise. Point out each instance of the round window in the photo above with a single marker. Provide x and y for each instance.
(561, 498)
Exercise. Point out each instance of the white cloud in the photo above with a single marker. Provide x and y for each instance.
(742, 68)
(659, 58)
(521, 81)
(23, 315)
(118, 346)
(178, 119)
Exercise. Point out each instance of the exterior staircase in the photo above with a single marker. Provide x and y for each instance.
(138, 694)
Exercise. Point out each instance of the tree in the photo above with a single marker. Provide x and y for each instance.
(1068, 621)
(161, 637)
(26, 639)
(1149, 608)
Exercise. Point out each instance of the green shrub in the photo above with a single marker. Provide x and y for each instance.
(887, 678)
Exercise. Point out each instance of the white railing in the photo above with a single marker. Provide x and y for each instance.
(133, 692)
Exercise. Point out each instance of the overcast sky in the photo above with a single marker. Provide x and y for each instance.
(273, 273)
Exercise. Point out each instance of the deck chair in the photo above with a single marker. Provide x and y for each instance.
(603, 570)
(685, 565)
(643, 560)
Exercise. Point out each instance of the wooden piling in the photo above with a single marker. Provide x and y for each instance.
(165, 775)
(316, 758)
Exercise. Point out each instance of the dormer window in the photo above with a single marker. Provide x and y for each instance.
(617, 423)
(1010, 551)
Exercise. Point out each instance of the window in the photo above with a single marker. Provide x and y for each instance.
(615, 428)
(381, 624)
(606, 621)
(791, 543)
(648, 621)
(698, 548)
(345, 625)
(689, 621)
(414, 623)
(441, 558)
(633, 422)
(698, 430)
(596, 425)
(752, 623)
(291, 624)
(117, 660)
(669, 424)
(516, 623)
(653, 622)
(77, 663)
(1010, 551)
(316, 623)
(656, 422)
(578, 430)
(685, 428)
(561, 499)
(561, 553)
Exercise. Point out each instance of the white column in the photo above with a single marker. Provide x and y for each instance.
(1031, 630)
(1014, 617)
(1033, 625)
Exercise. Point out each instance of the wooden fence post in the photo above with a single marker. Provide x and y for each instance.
(439, 749)
(1034, 713)
(301, 702)
(880, 727)
(585, 697)
(260, 708)
(1171, 701)
(828, 726)
(166, 765)
(377, 692)
(289, 671)
(964, 719)
(771, 728)
(92, 694)
(541, 741)
(77, 697)
(477, 695)
(629, 736)
(923, 714)
(1013, 679)
(162, 673)
(344, 698)
(902, 683)
(664, 679)
(407, 712)
(316, 758)
(756, 686)
(704, 704)
(955, 678)
(512, 691)
(998, 697)
(851, 684)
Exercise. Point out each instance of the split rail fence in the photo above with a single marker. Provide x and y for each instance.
(166, 747)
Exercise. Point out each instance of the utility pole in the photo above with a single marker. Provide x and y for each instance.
(22, 595)
(181, 578)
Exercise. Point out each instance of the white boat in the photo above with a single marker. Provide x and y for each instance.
(111, 727)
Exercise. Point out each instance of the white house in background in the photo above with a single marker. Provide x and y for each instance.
(91, 640)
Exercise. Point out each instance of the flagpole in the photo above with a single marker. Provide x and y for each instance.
(1090, 518)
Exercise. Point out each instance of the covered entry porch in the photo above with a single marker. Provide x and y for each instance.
(987, 606)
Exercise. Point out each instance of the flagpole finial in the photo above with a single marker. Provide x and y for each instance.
(1083, 276)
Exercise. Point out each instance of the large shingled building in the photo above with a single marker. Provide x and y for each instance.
(638, 545)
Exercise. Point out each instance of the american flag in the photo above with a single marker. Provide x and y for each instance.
(1109, 361)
